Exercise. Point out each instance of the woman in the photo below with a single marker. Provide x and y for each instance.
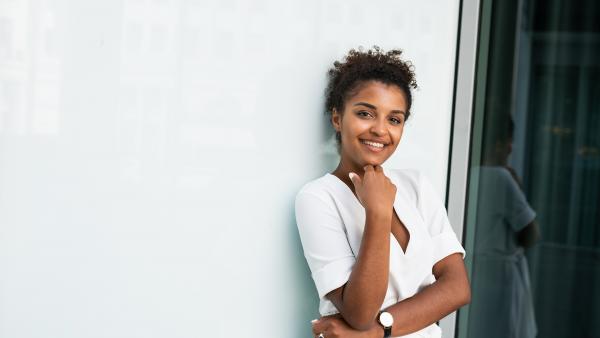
(384, 258)
(506, 227)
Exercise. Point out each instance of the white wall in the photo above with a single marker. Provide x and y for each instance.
(150, 152)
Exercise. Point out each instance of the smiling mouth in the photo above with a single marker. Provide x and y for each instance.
(373, 146)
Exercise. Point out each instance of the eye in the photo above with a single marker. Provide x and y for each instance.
(363, 113)
(396, 121)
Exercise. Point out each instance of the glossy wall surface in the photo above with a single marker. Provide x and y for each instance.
(150, 152)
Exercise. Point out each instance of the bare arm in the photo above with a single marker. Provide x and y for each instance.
(529, 235)
(449, 292)
(360, 299)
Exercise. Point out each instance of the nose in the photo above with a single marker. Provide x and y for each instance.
(378, 127)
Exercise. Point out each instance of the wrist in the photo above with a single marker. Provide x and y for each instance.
(379, 215)
(386, 321)
(377, 331)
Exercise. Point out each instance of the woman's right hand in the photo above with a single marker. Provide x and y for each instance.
(334, 326)
(374, 190)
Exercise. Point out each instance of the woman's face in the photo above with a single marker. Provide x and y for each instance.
(371, 124)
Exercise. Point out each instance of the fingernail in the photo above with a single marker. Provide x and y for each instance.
(314, 321)
(351, 175)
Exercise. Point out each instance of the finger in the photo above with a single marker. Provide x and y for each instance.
(318, 335)
(319, 326)
(314, 326)
(369, 167)
(378, 168)
(356, 180)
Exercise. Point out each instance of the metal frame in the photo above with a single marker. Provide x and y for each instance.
(464, 88)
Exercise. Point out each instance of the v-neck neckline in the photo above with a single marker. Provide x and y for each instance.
(392, 237)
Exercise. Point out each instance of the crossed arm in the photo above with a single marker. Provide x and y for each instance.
(359, 300)
(449, 292)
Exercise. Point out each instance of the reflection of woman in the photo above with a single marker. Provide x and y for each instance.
(377, 239)
(502, 303)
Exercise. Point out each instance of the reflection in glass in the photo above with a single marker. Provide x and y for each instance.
(503, 305)
(536, 165)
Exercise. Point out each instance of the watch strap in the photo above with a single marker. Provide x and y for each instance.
(387, 331)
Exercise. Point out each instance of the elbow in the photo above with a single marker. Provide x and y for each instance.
(361, 321)
(460, 293)
(463, 290)
(466, 299)
(361, 325)
(464, 295)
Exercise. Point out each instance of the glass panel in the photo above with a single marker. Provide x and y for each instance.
(533, 216)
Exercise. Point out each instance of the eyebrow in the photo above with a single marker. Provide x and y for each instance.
(368, 105)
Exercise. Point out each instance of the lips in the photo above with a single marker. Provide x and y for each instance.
(373, 146)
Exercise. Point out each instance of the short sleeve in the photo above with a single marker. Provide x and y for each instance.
(324, 242)
(517, 211)
(436, 219)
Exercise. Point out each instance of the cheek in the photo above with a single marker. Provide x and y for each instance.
(355, 128)
(398, 133)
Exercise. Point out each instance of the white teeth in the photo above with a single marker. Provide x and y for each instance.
(374, 144)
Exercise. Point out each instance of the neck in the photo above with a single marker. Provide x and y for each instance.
(344, 168)
(494, 161)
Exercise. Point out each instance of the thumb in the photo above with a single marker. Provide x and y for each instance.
(356, 180)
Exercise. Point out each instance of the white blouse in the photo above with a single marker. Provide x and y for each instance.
(331, 221)
(503, 303)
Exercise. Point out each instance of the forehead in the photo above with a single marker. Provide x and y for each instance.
(388, 96)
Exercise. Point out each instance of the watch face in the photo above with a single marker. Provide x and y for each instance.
(386, 319)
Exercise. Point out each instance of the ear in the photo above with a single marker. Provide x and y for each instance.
(336, 120)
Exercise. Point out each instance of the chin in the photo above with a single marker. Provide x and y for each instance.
(373, 162)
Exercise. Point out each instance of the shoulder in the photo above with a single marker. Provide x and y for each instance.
(319, 190)
(316, 206)
(417, 187)
(408, 181)
(405, 176)
(496, 172)
(497, 177)
(318, 186)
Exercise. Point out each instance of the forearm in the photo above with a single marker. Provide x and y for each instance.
(365, 290)
(425, 308)
(415, 313)
(529, 235)
(430, 305)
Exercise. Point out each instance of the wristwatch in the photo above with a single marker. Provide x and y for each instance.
(386, 320)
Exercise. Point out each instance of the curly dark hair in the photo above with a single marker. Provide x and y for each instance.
(359, 66)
